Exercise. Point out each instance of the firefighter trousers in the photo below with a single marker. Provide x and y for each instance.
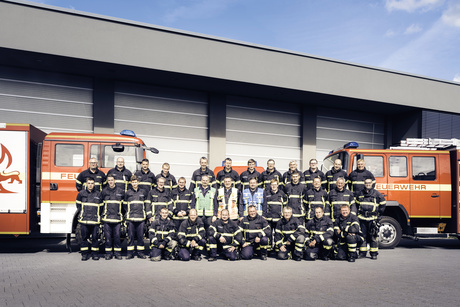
(186, 252)
(135, 232)
(373, 240)
(88, 230)
(247, 253)
(112, 238)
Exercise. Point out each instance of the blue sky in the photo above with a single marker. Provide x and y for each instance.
(416, 36)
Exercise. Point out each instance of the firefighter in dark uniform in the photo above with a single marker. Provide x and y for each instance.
(357, 177)
(146, 177)
(253, 195)
(371, 205)
(338, 196)
(158, 198)
(256, 235)
(347, 234)
(162, 237)
(228, 172)
(274, 201)
(89, 208)
(316, 197)
(287, 175)
(269, 174)
(181, 198)
(112, 217)
(295, 191)
(320, 231)
(93, 172)
(227, 234)
(205, 202)
(199, 173)
(121, 174)
(312, 173)
(227, 198)
(248, 174)
(170, 180)
(191, 237)
(137, 211)
(289, 237)
(334, 173)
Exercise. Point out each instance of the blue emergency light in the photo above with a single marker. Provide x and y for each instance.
(128, 133)
(351, 145)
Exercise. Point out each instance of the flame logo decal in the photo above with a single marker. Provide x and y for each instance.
(4, 176)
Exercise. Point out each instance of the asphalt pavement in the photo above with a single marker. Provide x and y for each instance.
(41, 272)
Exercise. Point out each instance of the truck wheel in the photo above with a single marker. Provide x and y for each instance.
(390, 232)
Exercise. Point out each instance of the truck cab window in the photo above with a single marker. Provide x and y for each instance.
(398, 166)
(374, 164)
(69, 155)
(424, 168)
(110, 157)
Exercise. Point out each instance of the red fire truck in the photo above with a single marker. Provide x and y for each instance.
(38, 173)
(420, 181)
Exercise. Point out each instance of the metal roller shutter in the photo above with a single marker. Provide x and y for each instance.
(262, 130)
(173, 121)
(51, 102)
(440, 125)
(338, 127)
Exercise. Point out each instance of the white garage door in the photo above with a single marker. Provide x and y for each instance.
(338, 127)
(262, 130)
(51, 102)
(173, 121)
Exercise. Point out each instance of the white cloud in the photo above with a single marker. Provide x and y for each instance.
(451, 16)
(411, 5)
(457, 78)
(413, 28)
(197, 10)
(390, 33)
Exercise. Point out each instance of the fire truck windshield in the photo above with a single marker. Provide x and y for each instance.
(109, 157)
(329, 161)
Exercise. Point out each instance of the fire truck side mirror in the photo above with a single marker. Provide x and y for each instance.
(118, 147)
(154, 150)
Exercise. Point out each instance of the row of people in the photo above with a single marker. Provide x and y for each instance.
(137, 207)
(148, 180)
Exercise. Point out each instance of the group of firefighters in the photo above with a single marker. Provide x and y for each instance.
(296, 215)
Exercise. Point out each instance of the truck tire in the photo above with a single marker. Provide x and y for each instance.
(390, 232)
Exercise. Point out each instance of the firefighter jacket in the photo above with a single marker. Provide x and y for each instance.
(189, 231)
(253, 228)
(288, 231)
(122, 178)
(146, 180)
(205, 201)
(371, 204)
(113, 203)
(309, 175)
(314, 198)
(181, 202)
(332, 176)
(319, 229)
(356, 180)
(135, 206)
(89, 206)
(157, 200)
(196, 178)
(287, 177)
(266, 176)
(337, 198)
(98, 176)
(170, 181)
(273, 205)
(246, 176)
(346, 225)
(230, 230)
(295, 193)
(161, 231)
(248, 198)
(232, 174)
(228, 199)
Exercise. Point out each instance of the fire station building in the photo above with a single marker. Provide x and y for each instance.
(193, 95)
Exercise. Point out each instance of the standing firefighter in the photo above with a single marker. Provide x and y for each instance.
(136, 213)
(227, 198)
(316, 197)
(112, 217)
(371, 205)
(93, 172)
(89, 207)
(181, 198)
(204, 200)
(357, 177)
(252, 196)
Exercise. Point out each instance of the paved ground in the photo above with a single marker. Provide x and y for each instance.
(40, 272)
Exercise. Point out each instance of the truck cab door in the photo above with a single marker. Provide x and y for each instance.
(425, 186)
